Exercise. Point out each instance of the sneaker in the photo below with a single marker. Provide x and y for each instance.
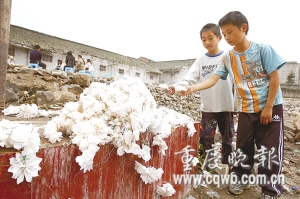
(264, 196)
(238, 187)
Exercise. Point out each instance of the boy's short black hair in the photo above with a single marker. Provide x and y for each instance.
(235, 18)
(211, 27)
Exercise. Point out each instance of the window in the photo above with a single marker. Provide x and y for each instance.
(151, 76)
(47, 58)
(121, 71)
(102, 68)
(137, 74)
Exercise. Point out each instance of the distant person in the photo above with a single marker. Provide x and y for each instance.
(10, 60)
(35, 58)
(89, 68)
(59, 65)
(70, 61)
(80, 64)
(43, 65)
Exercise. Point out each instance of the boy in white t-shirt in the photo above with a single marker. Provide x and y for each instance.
(218, 103)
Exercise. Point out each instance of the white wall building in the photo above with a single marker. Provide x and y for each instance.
(173, 71)
(106, 63)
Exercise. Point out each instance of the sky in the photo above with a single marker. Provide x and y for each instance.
(160, 30)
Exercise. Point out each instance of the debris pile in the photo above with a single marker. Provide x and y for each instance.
(291, 118)
(52, 89)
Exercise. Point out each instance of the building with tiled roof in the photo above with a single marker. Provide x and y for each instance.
(173, 71)
(106, 63)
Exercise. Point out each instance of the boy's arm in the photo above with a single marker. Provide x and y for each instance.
(201, 86)
(266, 114)
(190, 78)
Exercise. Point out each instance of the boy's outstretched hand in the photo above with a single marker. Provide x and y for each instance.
(171, 90)
(188, 91)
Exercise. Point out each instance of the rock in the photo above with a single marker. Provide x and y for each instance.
(81, 79)
(297, 137)
(49, 78)
(63, 97)
(289, 127)
(289, 137)
(45, 97)
(297, 121)
(292, 134)
(38, 72)
(223, 169)
(26, 71)
(286, 162)
(218, 137)
(26, 82)
(74, 88)
(49, 97)
(10, 96)
(60, 74)
(65, 81)
(288, 148)
(213, 194)
(286, 188)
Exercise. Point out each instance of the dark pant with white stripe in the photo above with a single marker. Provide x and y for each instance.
(209, 123)
(270, 137)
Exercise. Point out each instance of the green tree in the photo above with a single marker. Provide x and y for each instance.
(291, 78)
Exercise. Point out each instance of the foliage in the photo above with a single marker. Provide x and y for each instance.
(291, 78)
(201, 158)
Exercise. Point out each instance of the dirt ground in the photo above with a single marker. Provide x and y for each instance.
(291, 170)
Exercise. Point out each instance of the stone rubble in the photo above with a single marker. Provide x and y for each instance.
(189, 105)
(47, 88)
(51, 88)
(291, 111)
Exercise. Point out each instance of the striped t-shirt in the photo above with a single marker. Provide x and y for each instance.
(250, 73)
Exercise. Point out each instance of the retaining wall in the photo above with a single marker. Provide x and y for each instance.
(112, 177)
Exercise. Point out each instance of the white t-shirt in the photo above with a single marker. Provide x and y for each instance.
(219, 98)
(10, 60)
(90, 66)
